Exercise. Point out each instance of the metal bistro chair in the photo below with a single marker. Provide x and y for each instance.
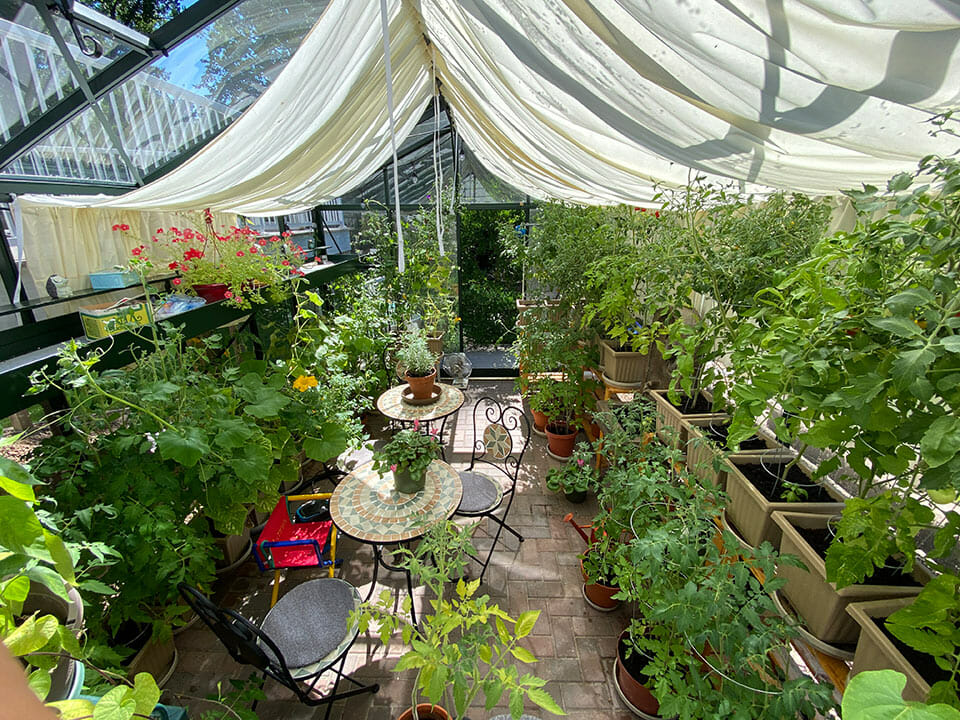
(303, 636)
(296, 538)
(483, 495)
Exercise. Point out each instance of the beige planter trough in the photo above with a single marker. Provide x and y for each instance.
(751, 512)
(627, 367)
(875, 651)
(821, 607)
(703, 457)
(670, 428)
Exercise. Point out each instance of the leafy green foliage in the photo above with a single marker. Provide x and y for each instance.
(877, 695)
(414, 355)
(576, 475)
(465, 644)
(410, 450)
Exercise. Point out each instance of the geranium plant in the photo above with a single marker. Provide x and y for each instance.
(408, 450)
(254, 268)
(575, 477)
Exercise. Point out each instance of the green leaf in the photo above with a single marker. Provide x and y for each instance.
(20, 528)
(19, 490)
(485, 653)
(544, 700)
(61, 557)
(72, 709)
(145, 693)
(332, 441)
(115, 705)
(899, 182)
(525, 623)
(899, 326)
(502, 631)
(877, 695)
(906, 302)
(266, 403)
(911, 365)
(31, 635)
(951, 343)
(15, 471)
(39, 681)
(254, 462)
(492, 692)
(523, 655)
(232, 432)
(185, 447)
(516, 703)
(941, 441)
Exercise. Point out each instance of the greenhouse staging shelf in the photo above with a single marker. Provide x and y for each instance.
(15, 371)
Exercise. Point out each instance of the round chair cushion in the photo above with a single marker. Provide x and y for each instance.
(310, 621)
(481, 493)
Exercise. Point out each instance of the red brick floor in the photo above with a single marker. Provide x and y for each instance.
(574, 644)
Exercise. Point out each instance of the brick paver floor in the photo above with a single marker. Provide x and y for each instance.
(575, 645)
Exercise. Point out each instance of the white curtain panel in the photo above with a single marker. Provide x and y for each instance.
(593, 101)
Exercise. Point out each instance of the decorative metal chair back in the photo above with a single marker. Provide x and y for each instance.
(246, 643)
(496, 445)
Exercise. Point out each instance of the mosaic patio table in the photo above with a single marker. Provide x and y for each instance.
(366, 507)
(391, 404)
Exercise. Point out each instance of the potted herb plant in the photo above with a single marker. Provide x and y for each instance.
(576, 477)
(559, 400)
(465, 644)
(418, 364)
(407, 455)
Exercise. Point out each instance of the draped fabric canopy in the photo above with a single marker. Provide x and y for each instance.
(591, 101)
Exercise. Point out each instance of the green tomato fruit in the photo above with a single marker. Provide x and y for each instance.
(943, 496)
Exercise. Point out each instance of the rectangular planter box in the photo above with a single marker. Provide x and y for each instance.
(876, 652)
(750, 511)
(633, 368)
(703, 457)
(820, 605)
(105, 319)
(113, 279)
(670, 428)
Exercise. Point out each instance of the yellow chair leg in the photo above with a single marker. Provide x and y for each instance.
(333, 551)
(276, 588)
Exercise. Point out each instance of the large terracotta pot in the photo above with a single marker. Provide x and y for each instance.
(539, 420)
(561, 438)
(421, 387)
(425, 711)
(631, 687)
(211, 292)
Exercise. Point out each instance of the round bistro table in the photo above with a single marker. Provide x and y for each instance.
(366, 506)
(392, 406)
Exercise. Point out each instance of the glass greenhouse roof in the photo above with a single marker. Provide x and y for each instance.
(151, 108)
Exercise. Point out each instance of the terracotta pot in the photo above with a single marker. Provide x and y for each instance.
(539, 419)
(211, 292)
(632, 688)
(422, 387)
(406, 482)
(600, 595)
(561, 438)
(425, 711)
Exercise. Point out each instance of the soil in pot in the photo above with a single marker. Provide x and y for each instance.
(891, 574)
(561, 438)
(717, 432)
(765, 477)
(630, 679)
(576, 497)
(421, 387)
(425, 711)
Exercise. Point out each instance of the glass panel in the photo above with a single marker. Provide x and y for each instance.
(479, 185)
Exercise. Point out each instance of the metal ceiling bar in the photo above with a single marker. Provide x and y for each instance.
(81, 80)
(24, 186)
(168, 36)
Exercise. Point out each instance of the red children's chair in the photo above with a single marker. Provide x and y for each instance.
(291, 538)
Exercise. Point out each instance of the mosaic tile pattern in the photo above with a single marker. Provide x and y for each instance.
(391, 404)
(497, 441)
(367, 507)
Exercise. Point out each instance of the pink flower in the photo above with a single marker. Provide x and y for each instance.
(393, 468)
(433, 432)
(579, 462)
(228, 294)
(177, 281)
(159, 231)
(416, 424)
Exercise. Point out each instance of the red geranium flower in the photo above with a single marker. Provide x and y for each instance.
(274, 239)
(253, 249)
(643, 209)
(228, 294)
(159, 231)
(124, 227)
(192, 253)
(115, 227)
(137, 250)
(177, 281)
(656, 213)
(174, 265)
(239, 253)
(285, 262)
(261, 242)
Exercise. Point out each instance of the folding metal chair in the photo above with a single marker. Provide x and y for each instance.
(483, 495)
(296, 538)
(305, 635)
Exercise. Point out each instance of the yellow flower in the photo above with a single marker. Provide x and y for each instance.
(304, 383)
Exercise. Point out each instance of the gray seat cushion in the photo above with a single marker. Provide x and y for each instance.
(481, 493)
(310, 621)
